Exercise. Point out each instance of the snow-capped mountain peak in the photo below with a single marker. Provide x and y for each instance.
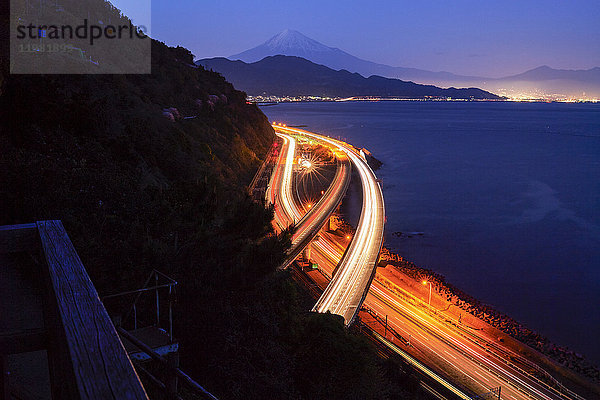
(289, 43)
(294, 43)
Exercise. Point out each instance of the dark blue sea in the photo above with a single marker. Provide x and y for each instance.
(506, 194)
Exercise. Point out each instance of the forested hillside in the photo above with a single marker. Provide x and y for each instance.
(126, 176)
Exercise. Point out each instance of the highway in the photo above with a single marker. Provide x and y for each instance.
(440, 345)
(287, 211)
(464, 359)
(347, 290)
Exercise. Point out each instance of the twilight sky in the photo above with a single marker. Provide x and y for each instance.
(489, 38)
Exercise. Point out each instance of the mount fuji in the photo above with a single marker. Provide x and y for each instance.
(294, 43)
(290, 43)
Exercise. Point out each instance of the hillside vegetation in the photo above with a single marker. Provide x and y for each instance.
(127, 178)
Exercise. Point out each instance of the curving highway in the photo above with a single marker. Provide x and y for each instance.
(287, 211)
(349, 286)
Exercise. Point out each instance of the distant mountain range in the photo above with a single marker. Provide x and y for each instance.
(295, 76)
(542, 80)
(545, 73)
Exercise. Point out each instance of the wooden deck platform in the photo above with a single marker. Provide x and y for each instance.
(157, 339)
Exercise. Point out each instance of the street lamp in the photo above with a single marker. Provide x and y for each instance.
(429, 302)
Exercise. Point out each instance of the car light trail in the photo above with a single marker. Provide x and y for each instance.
(283, 215)
(308, 224)
(422, 367)
(286, 182)
(349, 286)
(503, 372)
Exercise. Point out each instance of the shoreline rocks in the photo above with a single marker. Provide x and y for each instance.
(495, 318)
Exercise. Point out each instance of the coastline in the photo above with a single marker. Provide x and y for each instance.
(457, 299)
(273, 101)
(463, 301)
(523, 347)
(457, 303)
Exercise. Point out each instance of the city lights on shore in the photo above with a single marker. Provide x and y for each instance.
(509, 95)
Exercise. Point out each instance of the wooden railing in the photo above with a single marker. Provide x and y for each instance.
(85, 355)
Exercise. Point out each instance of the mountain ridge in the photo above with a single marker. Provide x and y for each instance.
(295, 76)
(540, 79)
(545, 72)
